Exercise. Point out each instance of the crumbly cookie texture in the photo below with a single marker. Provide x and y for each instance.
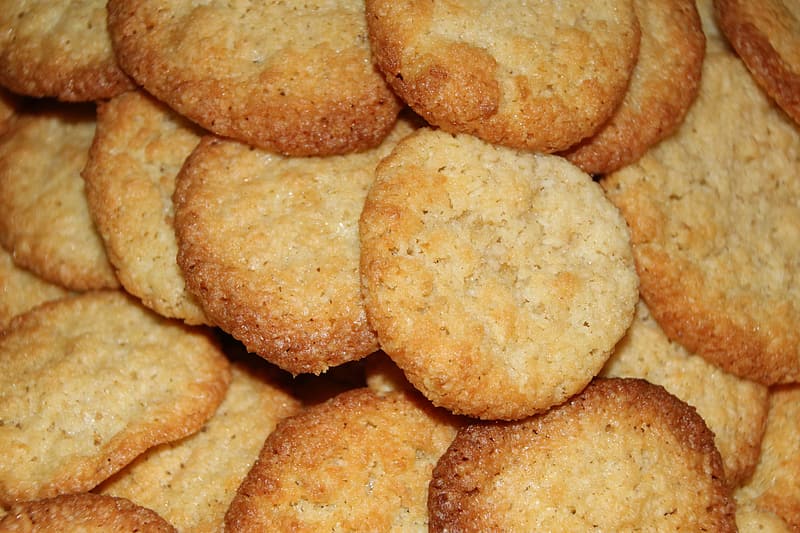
(138, 148)
(498, 280)
(623, 455)
(714, 214)
(59, 49)
(90, 382)
(293, 77)
(533, 76)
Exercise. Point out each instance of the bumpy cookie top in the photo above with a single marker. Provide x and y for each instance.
(498, 280)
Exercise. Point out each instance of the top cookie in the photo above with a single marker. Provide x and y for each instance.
(295, 78)
(535, 76)
(59, 49)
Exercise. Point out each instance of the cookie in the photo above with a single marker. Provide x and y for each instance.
(8, 109)
(82, 512)
(294, 78)
(664, 83)
(59, 49)
(714, 213)
(752, 519)
(139, 146)
(715, 39)
(165, 478)
(359, 460)
(775, 484)
(90, 382)
(44, 218)
(766, 35)
(623, 455)
(269, 245)
(734, 409)
(529, 76)
(499, 281)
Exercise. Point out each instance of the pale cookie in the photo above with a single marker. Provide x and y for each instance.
(766, 35)
(714, 213)
(86, 513)
(734, 409)
(269, 245)
(291, 77)
(752, 519)
(59, 49)
(44, 218)
(499, 281)
(664, 83)
(360, 461)
(775, 484)
(534, 76)
(165, 478)
(623, 455)
(90, 382)
(715, 39)
(138, 149)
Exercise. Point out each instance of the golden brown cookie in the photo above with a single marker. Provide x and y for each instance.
(714, 213)
(84, 512)
(269, 245)
(664, 83)
(623, 455)
(293, 77)
(139, 146)
(498, 280)
(734, 409)
(359, 461)
(44, 218)
(536, 76)
(9, 105)
(90, 382)
(165, 478)
(59, 49)
(766, 35)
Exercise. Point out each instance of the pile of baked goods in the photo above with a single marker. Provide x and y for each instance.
(400, 265)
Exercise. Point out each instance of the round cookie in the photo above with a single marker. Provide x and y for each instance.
(532, 76)
(44, 219)
(623, 455)
(59, 49)
(734, 409)
(165, 478)
(766, 35)
(664, 83)
(360, 460)
(139, 146)
(83, 512)
(498, 280)
(88, 383)
(269, 245)
(295, 78)
(714, 213)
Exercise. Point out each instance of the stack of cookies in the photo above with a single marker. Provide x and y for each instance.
(399, 266)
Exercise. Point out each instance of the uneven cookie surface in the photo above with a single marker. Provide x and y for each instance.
(289, 77)
(623, 455)
(499, 281)
(534, 76)
(88, 383)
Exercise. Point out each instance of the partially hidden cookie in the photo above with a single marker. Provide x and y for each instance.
(165, 478)
(359, 461)
(735, 409)
(269, 245)
(753, 519)
(664, 84)
(534, 76)
(59, 49)
(138, 148)
(88, 383)
(766, 35)
(9, 105)
(294, 78)
(623, 455)
(499, 281)
(714, 213)
(44, 218)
